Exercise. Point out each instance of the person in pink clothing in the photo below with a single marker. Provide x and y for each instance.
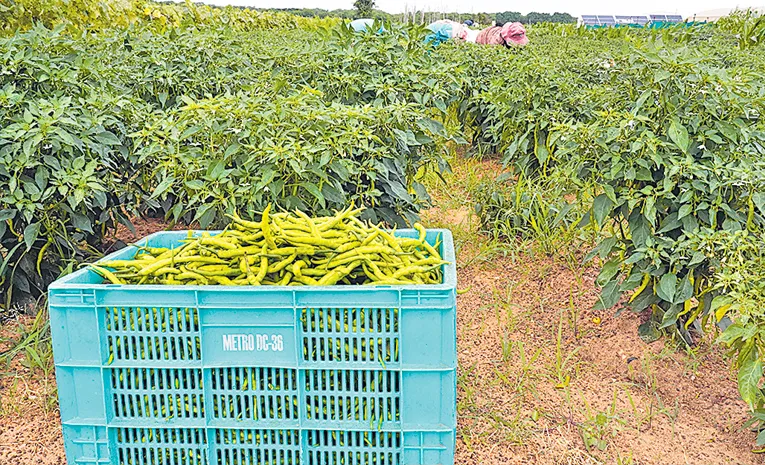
(508, 35)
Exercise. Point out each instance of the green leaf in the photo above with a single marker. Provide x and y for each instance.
(195, 184)
(231, 150)
(610, 193)
(649, 332)
(400, 191)
(608, 271)
(670, 316)
(217, 170)
(205, 214)
(439, 103)
(108, 138)
(759, 199)
(697, 258)
(162, 187)
(661, 75)
(30, 234)
(601, 208)
(313, 190)
(761, 438)
(190, 132)
(679, 135)
(333, 194)
(28, 146)
(736, 332)
(100, 198)
(631, 282)
(649, 210)
(432, 126)
(609, 296)
(639, 228)
(685, 291)
(7, 214)
(749, 376)
(82, 222)
(641, 100)
(684, 211)
(669, 223)
(728, 130)
(177, 211)
(666, 288)
(268, 174)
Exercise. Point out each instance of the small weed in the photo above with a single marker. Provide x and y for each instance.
(628, 460)
(466, 402)
(32, 348)
(514, 429)
(524, 369)
(599, 427)
(564, 366)
(573, 314)
(504, 308)
(33, 344)
(645, 377)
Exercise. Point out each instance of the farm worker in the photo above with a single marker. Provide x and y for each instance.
(444, 30)
(361, 25)
(508, 35)
(458, 30)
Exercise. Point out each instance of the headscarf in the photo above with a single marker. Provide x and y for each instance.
(514, 34)
(361, 25)
(509, 34)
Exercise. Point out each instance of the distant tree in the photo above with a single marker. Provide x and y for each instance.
(562, 18)
(321, 13)
(535, 17)
(508, 17)
(364, 8)
(532, 18)
(484, 18)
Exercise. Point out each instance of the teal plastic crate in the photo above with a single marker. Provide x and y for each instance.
(239, 375)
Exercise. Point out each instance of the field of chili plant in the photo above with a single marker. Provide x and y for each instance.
(649, 145)
(645, 148)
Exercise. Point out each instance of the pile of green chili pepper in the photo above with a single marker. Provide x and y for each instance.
(285, 249)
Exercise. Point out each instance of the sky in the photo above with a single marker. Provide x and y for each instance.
(685, 8)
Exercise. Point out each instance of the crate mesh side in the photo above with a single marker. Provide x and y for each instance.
(353, 447)
(367, 396)
(254, 393)
(142, 333)
(159, 446)
(157, 393)
(350, 335)
(257, 447)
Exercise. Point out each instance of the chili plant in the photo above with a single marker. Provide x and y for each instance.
(679, 162)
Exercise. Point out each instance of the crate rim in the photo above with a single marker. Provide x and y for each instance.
(449, 281)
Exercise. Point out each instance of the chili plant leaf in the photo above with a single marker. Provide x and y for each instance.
(749, 375)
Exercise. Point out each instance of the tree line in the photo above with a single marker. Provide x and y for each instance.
(367, 11)
(533, 17)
